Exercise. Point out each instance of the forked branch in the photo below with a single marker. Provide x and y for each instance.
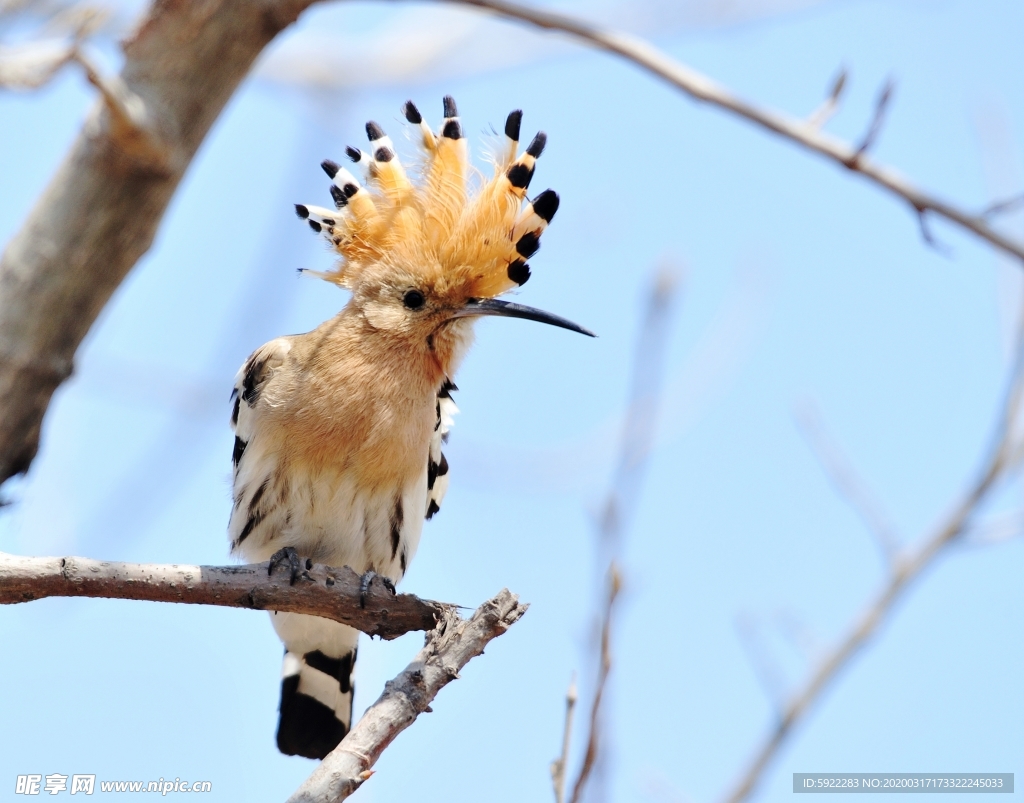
(559, 764)
(449, 647)
(590, 755)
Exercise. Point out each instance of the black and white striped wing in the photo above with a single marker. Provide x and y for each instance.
(254, 478)
(437, 464)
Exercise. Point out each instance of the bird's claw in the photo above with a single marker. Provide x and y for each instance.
(366, 580)
(287, 555)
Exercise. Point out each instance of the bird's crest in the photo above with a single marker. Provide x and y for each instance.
(435, 227)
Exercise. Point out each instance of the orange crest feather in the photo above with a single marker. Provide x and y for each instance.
(435, 228)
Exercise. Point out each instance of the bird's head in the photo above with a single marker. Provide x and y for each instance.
(423, 258)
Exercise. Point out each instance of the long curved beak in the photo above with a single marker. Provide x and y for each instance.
(508, 309)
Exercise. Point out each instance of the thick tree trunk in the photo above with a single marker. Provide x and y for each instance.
(101, 210)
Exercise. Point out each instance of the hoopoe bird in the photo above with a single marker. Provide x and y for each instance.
(338, 432)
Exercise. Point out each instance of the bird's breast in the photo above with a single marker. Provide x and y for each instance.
(379, 437)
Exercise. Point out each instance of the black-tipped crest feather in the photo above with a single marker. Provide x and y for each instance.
(545, 205)
(513, 123)
(412, 114)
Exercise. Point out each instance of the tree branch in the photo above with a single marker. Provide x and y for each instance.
(32, 65)
(559, 764)
(639, 428)
(102, 208)
(1002, 207)
(830, 106)
(875, 127)
(319, 590)
(132, 128)
(448, 648)
(590, 755)
(802, 132)
(1003, 461)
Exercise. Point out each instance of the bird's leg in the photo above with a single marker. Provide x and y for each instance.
(291, 557)
(366, 580)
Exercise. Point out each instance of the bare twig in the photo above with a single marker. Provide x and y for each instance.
(558, 765)
(757, 636)
(1004, 174)
(79, 20)
(846, 481)
(448, 648)
(634, 451)
(132, 128)
(1004, 206)
(824, 112)
(31, 65)
(701, 88)
(641, 419)
(104, 204)
(875, 128)
(928, 236)
(604, 669)
(996, 531)
(319, 590)
(1002, 461)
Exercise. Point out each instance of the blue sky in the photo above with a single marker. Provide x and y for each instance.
(803, 286)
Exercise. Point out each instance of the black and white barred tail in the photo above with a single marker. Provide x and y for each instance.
(316, 684)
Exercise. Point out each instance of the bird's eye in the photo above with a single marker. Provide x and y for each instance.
(413, 299)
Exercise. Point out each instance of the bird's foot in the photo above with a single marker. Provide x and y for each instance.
(291, 557)
(366, 580)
